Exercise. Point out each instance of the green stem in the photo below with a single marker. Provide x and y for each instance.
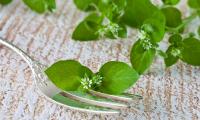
(185, 22)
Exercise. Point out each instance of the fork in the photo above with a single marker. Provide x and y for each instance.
(92, 101)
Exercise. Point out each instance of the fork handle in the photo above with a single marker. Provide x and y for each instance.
(20, 52)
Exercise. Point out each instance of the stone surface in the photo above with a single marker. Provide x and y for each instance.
(174, 91)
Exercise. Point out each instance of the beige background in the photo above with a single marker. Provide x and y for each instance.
(47, 38)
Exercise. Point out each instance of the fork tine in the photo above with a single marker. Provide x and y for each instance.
(101, 103)
(125, 97)
(84, 107)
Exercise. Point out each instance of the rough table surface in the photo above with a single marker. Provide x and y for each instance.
(174, 91)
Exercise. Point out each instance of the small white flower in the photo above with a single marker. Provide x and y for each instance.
(110, 27)
(175, 52)
(97, 79)
(114, 28)
(146, 44)
(145, 38)
(88, 83)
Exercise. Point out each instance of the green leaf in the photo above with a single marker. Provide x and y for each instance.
(112, 9)
(122, 33)
(36, 5)
(170, 2)
(105, 8)
(120, 6)
(175, 40)
(194, 3)
(170, 59)
(155, 26)
(87, 29)
(191, 34)
(51, 5)
(198, 31)
(137, 11)
(173, 16)
(40, 6)
(191, 51)
(174, 50)
(67, 74)
(117, 77)
(85, 5)
(4, 2)
(141, 59)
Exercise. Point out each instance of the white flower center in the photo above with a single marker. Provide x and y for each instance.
(175, 52)
(110, 27)
(88, 83)
(145, 38)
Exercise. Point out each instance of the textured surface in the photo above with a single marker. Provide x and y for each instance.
(174, 91)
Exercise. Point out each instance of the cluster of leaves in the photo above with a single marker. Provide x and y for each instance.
(188, 50)
(70, 75)
(110, 18)
(39, 6)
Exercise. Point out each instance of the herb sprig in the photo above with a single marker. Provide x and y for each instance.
(110, 19)
(152, 22)
(113, 77)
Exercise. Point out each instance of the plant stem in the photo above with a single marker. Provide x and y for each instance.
(184, 23)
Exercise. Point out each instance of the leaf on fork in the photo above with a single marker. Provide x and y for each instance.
(117, 77)
(67, 74)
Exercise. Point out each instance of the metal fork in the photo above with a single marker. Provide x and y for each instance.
(97, 102)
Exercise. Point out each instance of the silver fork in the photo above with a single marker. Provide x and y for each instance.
(111, 104)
